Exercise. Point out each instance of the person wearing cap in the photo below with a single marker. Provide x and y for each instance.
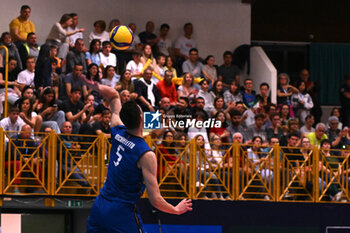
(335, 135)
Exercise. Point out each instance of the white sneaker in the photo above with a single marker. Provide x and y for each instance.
(338, 196)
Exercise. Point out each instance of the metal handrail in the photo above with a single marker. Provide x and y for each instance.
(6, 76)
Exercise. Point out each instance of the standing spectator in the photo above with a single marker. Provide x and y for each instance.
(345, 100)
(93, 55)
(107, 58)
(233, 94)
(76, 56)
(29, 48)
(58, 35)
(228, 72)
(164, 44)
(72, 28)
(167, 88)
(148, 94)
(26, 77)
(21, 26)
(99, 32)
(285, 91)
(12, 122)
(302, 102)
(193, 65)
(6, 40)
(210, 69)
(248, 94)
(183, 45)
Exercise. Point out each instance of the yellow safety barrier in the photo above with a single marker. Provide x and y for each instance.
(54, 165)
(6, 76)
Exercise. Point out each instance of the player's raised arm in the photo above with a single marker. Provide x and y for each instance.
(111, 94)
(148, 164)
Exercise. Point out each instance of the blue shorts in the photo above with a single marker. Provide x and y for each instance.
(113, 217)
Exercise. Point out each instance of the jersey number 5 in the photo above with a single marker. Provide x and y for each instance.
(119, 156)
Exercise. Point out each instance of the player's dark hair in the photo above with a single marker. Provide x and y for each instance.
(130, 115)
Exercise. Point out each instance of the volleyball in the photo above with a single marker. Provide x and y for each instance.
(121, 37)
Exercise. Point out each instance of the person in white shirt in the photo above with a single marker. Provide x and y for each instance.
(135, 65)
(99, 32)
(107, 58)
(185, 43)
(26, 77)
(164, 44)
(73, 27)
(13, 122)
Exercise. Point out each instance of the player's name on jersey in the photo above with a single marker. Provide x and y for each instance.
(124, 141)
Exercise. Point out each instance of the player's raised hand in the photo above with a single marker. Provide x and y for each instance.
(184, 206)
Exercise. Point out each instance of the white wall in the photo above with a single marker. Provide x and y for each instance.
(219, 25)
(262, 70)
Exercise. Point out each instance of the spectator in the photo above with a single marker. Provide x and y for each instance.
(319, 135)
(160, 65)
(167, 88)
(76, 56)
(264, 97)
(109, 77)
(148, 37)
(336, 111)
(13, 93)
(183, 45)
(275, 131)
(257, 129)
(307, 128)
(125, 83)
(302, 102)
(28, 115)
(107, 58)
(228, 72)
(345, 100)
(26, 77)
(188, 88)
(94, 75)
(12, 123)
(164, 44)
(210, 69)
(181, 112)
(248, 94)
(112, 24)
(75, 109)
(147, 54)
(169, 66)
(135, 65)
(285, 91)
(136, 43)
(6, 40)
(199, 107)
(222, 132)
(148, 94)
(165, 104)
(72, 28)
(219, 105)
(21, 26)
(93, 55)
(58, 35)
(103, 126)
(73, 80)
(235, 126)
(99, 32)
(217, 90)
(193, 65)
(47, 108)
(124, 96)
(208, 98)
(233, 95)
(285, 114)
(336, 136)
(29, 48)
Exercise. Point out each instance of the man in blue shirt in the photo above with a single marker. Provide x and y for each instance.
(132, 166)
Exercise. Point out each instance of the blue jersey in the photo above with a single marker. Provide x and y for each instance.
(124, 179)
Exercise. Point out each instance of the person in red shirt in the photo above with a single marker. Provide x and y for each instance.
(167, 88)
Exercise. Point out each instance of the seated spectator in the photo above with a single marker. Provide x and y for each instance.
(13, 93)
(219, 105)
(75, 109)
(103, 126)
(208, 98)
(125, 96)
(103, 106)
(58, 35)
(160, 64)
(164, 44)
(21, 26)
(248, 94)
(275, 130)
(217, 90)
(193, 131)
(12, 123)
(233, 94)
(136, 43)
(167, 89)
(26, 77)
(222, 132)
(166, 152)
(188, 89)
(210, 69)
(73, 80)
(94, 75)
(165, 104)
(89, 113)
(285, 114)
(199, 107)
(99, 32)
(148, 94)
(135, 65)
(109, 77)
(29, 48)
(93, 55)
(319, 135)
(292, 127)
(285, 91)
(169, 66)
(193, 65)
(28, 115)
(228, 72)
(147, 54)
(257, 129)
(76, 56)
(235, 124)
(336, 136)
(6, 40)
(125, 83)
(48, 109)
(302, 102)
(107, 58)
(147, 36)
(181, 112)
(307, 128)
(336, 111)
(264, 97)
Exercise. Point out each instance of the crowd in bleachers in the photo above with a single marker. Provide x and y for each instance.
(45, 88)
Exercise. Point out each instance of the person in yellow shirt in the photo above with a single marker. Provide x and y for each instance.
(21, 26)
(318, 136)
